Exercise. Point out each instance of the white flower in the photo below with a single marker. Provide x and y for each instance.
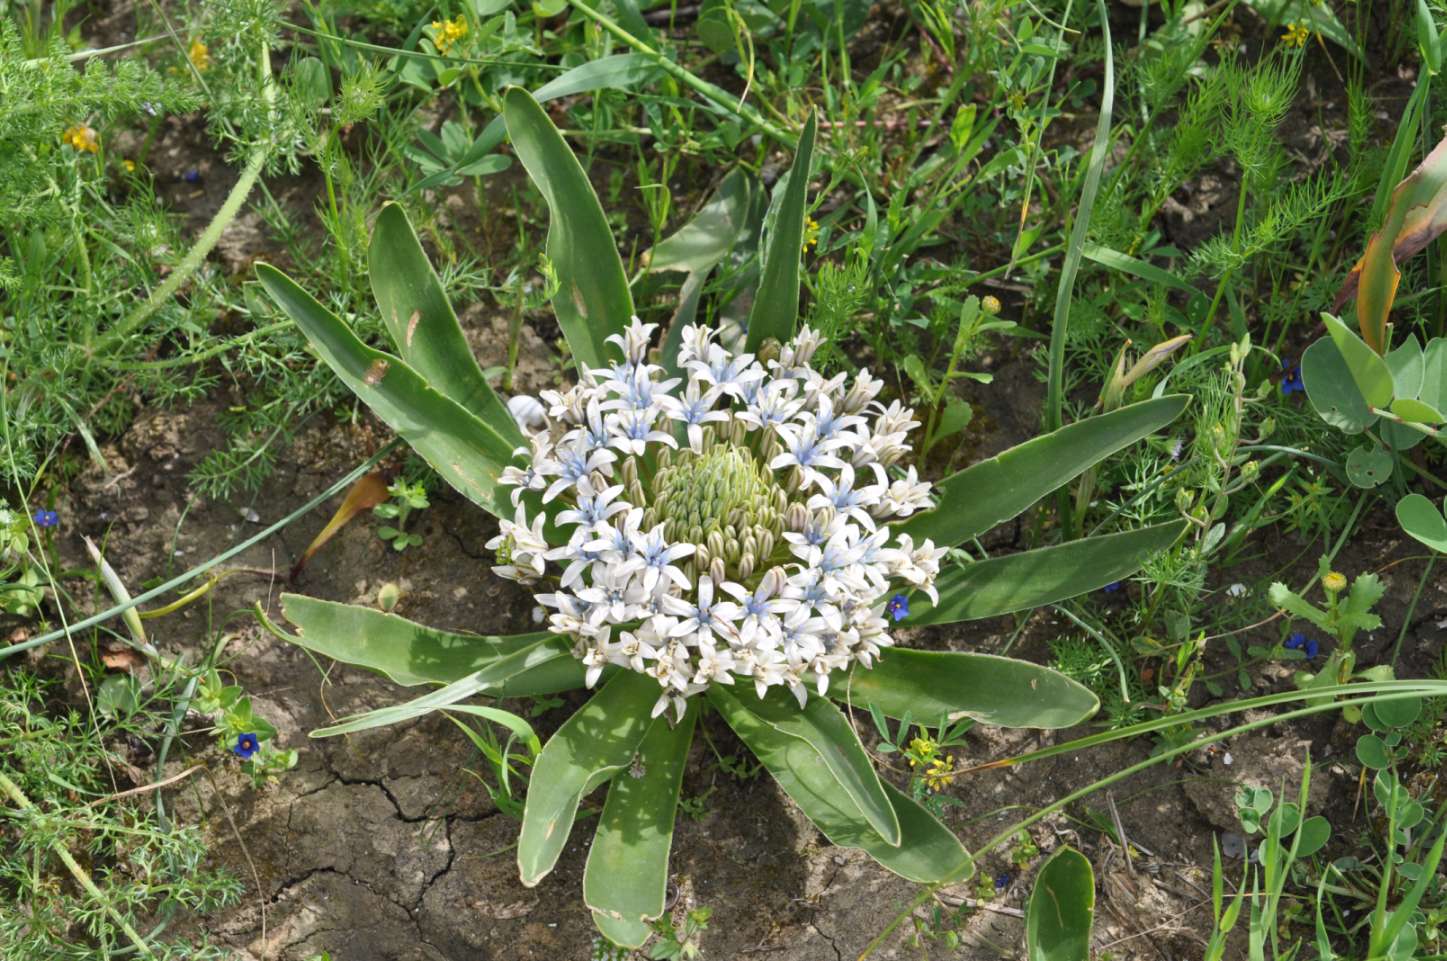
(759, 550)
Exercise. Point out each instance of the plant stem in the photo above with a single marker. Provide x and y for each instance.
(12, 789)
(1055, 392)
(209, 237)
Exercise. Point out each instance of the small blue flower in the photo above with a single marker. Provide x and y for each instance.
(1295, 642)
(45, 518)
(898, 607)
(246, 745)
(1311, 649)
(1114, 587)
(192, 176)
(1291, 379)
(1002, 881)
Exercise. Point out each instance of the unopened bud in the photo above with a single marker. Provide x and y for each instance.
(717, 570)
(388, 596)
(746, 565)
(990, 304)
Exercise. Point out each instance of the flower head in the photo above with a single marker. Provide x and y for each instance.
(80, 137)
(1334, 582)
(1300, 642)
(1291, 379)
(1296, 35)
(729, 525)
(199, 55)
(446, 33)
(45, 518)
(246, 745)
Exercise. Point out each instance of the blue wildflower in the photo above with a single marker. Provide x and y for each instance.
(1113, 587)
(246, 745)
(898, 607)
(1002, 881)
(45, 518)
(192, 176)
(1291, 379)
(1300, 642)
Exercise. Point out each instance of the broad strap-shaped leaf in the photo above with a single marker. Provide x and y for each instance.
(423, 325)
(546, 666)
(626, 879)
(926, 853)
(828, 732)
(466, 452)
(1416, 215)
(775, 311)
(928, 685)
(593, 300)
(1062, 909)
(1369, 371)
(591, 746)
(982, 495)
(1017, 582)
(407, 652)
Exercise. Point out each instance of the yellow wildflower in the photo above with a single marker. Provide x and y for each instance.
(921, 749)
(445, 33)
(199, 56)
(130, 166)
(990, 304)
(1296, 35)
(941, 773)
(811, 232)
(1334, 582)
(80, 137)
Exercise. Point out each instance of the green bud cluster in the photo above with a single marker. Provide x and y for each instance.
(725, 502)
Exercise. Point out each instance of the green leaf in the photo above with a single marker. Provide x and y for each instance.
(1315, 832)
(992, 491)
(828, 732)
(926, 853)
(1416, 411)
(626, 878)
(424, 327)
(1114, 259)
(1029, 579)
(1406, 365)
(591, 746)
(593, 300)
(513, 675)
(1331, 390)
(1398, 712)
(407, 652)
(927, 685)
(1367, 368)
(776, 304)
(1369, 466)
(711, 233)
(1421, 520)
(955, 418)
(1434, 374)
(467, 453)
(1062, 909)
(1372, 752)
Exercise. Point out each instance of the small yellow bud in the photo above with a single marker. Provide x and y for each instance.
(990, 304)
(199, 56)
(1334, 583)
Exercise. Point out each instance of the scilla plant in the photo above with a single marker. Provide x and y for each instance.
(711, 529)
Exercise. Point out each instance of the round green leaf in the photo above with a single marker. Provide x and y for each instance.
(1420, 518)
(1315, 832)
(1398, 712)
(1365, 366)
(1369, 466)
(1372, 752)
(1330, 389)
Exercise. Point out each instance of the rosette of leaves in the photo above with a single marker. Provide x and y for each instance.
(431, 390)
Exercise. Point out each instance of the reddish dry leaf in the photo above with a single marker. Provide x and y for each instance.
(369, 491)
(122, 659)
(1416, 216)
